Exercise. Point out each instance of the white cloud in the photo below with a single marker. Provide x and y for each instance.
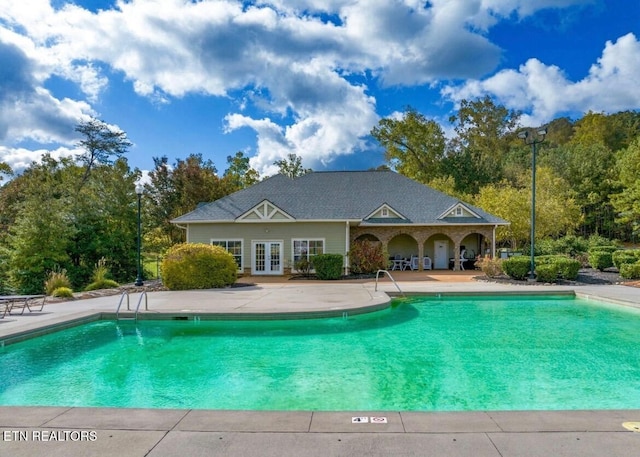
(288, 60)
(543, 91)
(20, 158)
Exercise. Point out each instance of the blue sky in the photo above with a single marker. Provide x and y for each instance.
(310, 77)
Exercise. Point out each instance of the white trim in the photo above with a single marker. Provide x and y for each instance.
(392, 212)
(267, 257)
(453, 208)
(265, 211)
(218, 240)
(307, 239)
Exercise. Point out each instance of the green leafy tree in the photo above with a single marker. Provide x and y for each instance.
(5, 169)
(477, 154)
(414, 145)
(102, 144)
(105, 218)
(291, 166)
(239, 173)
(176, 190)
(556, 210)
(39, 238)
(590, 171)
(627, 202)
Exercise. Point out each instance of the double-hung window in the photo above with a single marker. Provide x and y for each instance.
(234, 247)
(306, 249)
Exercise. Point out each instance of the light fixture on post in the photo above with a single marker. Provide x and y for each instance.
(139, 192)
(533, 140)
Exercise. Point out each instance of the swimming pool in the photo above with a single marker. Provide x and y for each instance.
(423, 354)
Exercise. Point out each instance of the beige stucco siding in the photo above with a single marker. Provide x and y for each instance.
(333, 234)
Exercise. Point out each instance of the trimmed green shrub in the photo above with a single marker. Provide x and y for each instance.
(328, 266)
(103, 284)
(630, 270)
(366, 257)
(600, 259)
(547, 272)
(625, 256)
(517, 267)
(198, 266)
(570, 245)
(62, 292)
(490, 267)
(567, 268)
(56, 279)
(597, 241)
(605, 248)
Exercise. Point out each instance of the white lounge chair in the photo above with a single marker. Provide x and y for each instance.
(426, 263)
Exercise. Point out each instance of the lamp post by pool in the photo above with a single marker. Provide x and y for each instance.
(533, 140)
(139, 191)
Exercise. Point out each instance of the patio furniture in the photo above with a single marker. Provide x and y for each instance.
(12, 302)
(426, 263)
(462, 259)
(413, 264)
(399, 263)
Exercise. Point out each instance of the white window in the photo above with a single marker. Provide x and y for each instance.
(458, 211)
(385, 212)
(234, 247)
(306, 249)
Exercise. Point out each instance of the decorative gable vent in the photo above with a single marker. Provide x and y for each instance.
(385, 212)
(265, 211)
(458, 210)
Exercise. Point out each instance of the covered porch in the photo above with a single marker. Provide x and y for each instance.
(412, 248)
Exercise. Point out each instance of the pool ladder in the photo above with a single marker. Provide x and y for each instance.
(126, 294)
(391, 278)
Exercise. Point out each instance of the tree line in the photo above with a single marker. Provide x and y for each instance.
(587, 170)
(70, 213)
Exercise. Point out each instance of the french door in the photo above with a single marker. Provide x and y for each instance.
(266, 257)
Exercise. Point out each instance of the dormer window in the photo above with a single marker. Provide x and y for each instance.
(459, 211)
(385, 212)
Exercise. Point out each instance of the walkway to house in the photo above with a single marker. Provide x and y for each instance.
(30, 431)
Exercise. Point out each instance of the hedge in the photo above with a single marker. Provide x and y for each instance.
(567, 268)
(517, 267)
(547, 272)
(600, 259)
(625, 256)
(630, 270)
(198, 266)
(328, 266)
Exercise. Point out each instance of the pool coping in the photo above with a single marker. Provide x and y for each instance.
(479, 433)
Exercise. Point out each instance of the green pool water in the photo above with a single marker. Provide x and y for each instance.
(471, 353)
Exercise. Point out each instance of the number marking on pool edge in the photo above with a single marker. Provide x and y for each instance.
(367, 420)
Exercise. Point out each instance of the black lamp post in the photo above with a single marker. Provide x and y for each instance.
(139, 191)
(533, 140)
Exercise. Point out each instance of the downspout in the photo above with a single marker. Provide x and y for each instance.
(347, 246)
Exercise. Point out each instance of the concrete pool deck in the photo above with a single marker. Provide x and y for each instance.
(158, 433)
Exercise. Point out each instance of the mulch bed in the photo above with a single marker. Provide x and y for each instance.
(586, 276)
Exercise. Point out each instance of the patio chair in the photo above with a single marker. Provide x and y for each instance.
(397, 262)
(5, 306)
(25, 302)
(414, 263)
(462, 259)
(426, 263)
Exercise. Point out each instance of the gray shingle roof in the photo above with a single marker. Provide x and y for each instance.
(339, 195)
